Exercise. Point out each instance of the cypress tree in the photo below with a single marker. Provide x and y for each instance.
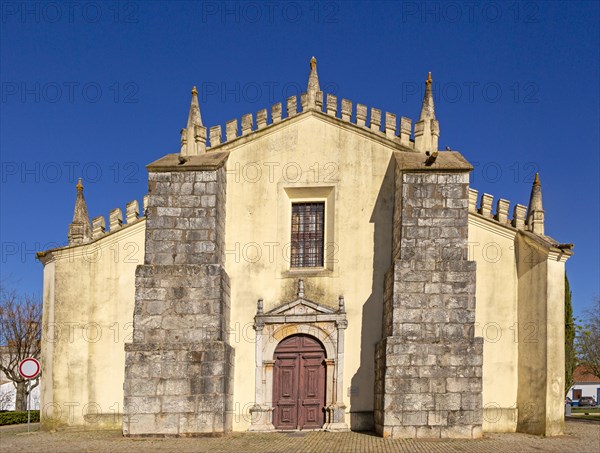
(570, 359)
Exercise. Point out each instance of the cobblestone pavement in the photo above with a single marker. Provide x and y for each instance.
(580, 437)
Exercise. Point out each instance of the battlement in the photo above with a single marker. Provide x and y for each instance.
(194, 140)
(115, 219)
(501, 214)
(342, 109)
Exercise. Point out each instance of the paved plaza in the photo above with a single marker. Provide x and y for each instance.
(580, 437)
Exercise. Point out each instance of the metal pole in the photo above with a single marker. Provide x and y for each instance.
(28, 405)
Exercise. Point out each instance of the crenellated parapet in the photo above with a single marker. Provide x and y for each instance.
(116, 221)
(82, 231)
(499, 212)
(388, 125)
(384, 124)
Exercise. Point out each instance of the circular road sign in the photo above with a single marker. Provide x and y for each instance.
(29, 368)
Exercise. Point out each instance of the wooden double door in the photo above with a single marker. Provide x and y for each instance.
(299, 384)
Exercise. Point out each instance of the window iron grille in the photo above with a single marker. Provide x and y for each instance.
(308, 222)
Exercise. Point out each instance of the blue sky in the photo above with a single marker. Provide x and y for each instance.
(100, 89)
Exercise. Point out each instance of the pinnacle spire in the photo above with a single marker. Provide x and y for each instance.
(427, 110)
(80, 230)
(193, 136)
(194, 117)
(313, 78)
(535, 212)
(427, 129)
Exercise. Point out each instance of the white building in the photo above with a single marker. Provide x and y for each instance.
(586, 384)
(8, 393)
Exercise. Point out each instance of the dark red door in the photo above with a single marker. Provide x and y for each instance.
(299, 384)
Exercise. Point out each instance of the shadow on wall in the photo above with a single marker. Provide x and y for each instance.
(362, 386)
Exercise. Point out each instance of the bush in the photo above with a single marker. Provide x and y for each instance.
(13, 418)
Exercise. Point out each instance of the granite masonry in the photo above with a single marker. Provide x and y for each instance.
(428, 364)
(179, 368)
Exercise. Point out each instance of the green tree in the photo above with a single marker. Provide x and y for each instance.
(587, 342)
(570, 357)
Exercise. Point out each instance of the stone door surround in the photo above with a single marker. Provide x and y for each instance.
(300, 316)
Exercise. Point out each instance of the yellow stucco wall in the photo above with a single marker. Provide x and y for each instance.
(555, 386)
(492, 247)
(354, 177)
(541, 356)
(88, 311)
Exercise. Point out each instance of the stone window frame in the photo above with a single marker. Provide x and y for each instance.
(300, 316)
(310, 259)
(301, 193)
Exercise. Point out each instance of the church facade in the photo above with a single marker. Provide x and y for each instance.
(321, 267)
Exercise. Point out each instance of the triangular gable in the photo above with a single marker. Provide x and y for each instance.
(300, 306)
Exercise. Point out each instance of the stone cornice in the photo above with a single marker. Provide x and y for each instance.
(559, 255)
(445, 161)
(546, 245)
(176, 162)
